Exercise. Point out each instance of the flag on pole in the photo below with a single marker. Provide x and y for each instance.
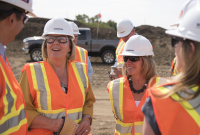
(99, 15)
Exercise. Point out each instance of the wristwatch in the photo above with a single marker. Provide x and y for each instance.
(85, 115)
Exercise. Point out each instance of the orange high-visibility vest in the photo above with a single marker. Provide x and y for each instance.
(119, 50)
(173, 67)
(13, 119)
(49, 98)
(81, 55)
(176, 118)
(129, 116)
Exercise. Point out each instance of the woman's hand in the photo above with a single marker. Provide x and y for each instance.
(56, 124)
(84, 127)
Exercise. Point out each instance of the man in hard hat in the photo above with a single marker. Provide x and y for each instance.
(125, 29)
(81, 53)
(12, 109)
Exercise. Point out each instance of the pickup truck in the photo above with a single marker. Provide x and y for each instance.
(95, 47)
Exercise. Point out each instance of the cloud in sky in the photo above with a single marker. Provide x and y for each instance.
(161, 13)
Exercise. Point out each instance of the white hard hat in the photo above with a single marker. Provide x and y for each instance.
(138, 45)
(75, 28)
(124, 27)
(189, 27)
(23, 4)
(185, 8)
(58, 26)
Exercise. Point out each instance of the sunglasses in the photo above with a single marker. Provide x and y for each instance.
(25, 20)
(131, 58)
(175, 40)
(51, 40)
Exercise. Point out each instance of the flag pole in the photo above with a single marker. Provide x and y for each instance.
(97, 26)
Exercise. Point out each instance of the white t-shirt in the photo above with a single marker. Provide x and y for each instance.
(137, 103)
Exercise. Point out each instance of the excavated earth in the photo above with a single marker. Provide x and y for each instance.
(104, 121)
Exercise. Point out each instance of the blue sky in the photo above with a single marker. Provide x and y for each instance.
(161, 13)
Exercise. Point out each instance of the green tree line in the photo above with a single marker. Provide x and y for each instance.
(93, 21)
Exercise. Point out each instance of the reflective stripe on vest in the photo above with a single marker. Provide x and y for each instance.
(126, 128)
(75, 114)
(116, 98)
(123, 128)
(119, 50)
(13, 115)
(42, 87)
(160, 80)
(175, 71)
(189, 105)
(80, 71)
(81, 55)
(40, 83)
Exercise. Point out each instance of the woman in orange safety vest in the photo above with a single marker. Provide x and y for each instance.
(174, 108)
(57, 91)
(128, 93)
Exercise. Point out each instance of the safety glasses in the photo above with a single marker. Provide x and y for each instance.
(175, 40)
(25, 20)
(51, 40)
(131, 58)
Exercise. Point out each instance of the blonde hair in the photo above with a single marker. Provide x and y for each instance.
(190, 73)
(70, 56)
(148, 68)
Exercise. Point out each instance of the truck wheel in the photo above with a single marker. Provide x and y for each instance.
(108, 57)
(36, 55)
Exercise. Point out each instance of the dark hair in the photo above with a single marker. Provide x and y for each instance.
(5, 13)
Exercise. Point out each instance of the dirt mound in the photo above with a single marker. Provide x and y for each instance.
(160, 41)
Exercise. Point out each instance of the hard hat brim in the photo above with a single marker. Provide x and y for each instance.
(132, 53)
(31, 14)
(123, 34)
(44, 34)
(176, 33)
(77, 33)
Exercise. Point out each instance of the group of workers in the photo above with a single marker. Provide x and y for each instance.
(55, 96)
(144, 103)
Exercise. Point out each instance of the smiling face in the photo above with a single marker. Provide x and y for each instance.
(57, 50)
(134, 68)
